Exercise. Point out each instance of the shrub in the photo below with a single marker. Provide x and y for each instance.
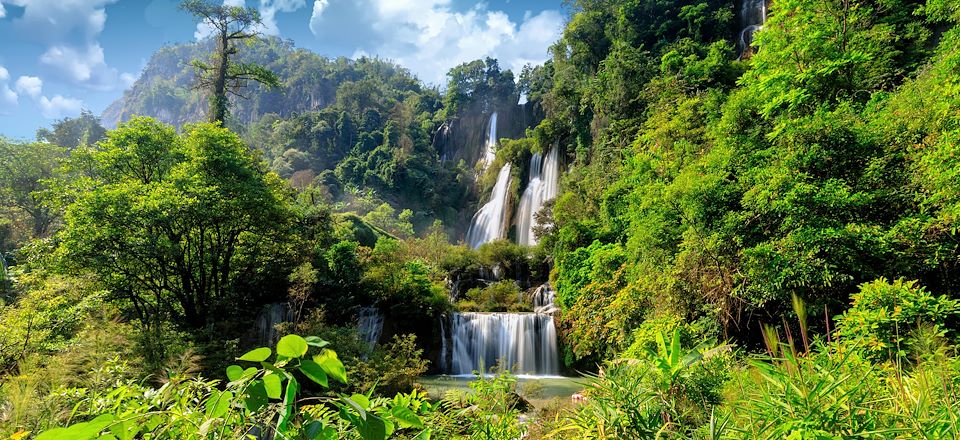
(883, 314)
(502, 296)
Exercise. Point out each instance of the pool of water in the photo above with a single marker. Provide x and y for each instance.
(531, 387)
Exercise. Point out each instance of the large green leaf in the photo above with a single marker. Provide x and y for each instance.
(256, 355)
(80, 431)
(405, 417)
(273, 384)
(218, 403)
(314, 371)
(292, 346)
(256, 397)
(234, 372)
(331, 365)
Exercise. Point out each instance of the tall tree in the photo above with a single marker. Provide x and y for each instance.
(223, 74)
(173, 223)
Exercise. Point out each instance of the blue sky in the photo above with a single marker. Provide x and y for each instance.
(60, 56)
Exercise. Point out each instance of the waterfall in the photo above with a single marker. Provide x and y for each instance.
(753, 15)
(488, 223)
(525, 343)
(543, 300)
(271, 315)
(490, 152)
(370, 325)
(542, 186)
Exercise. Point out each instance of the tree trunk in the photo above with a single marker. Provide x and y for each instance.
(218, 99)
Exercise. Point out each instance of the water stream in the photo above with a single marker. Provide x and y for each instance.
(753, 15)
(524, 343)
(370, 325)
(488, 223)
(542, 186)
(267, 320)
(490, 151)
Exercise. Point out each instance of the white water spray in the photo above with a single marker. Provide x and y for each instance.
(542, 187)
(753, 16)
(488, 223)
(490, 151)
(370, 325)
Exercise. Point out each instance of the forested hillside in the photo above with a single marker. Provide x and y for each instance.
(724, 219)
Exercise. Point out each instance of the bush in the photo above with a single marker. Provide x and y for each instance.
(883, 314)
(502, 296)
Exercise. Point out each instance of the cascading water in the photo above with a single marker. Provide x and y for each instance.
(267, 320)
(488, 223)
(543, 300)
(542, 187)
(370, 325)
(490, 151)
(525, 343)
(753, 15)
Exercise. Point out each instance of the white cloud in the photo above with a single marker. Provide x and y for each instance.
(83, 66)
(429, 37)
(59, 107)
(69, 29)
(53, 21)
(3, 12)
(318, 7)
(30, 86)
(8, 98)
(268, 13)
(269, 9)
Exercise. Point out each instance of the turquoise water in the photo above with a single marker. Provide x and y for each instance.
(530, 387)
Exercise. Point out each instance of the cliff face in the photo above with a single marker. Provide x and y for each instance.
(309, 81)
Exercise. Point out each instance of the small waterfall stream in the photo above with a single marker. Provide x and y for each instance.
(753, 15)
(488, 223)
(271, 315)
(490, 151)
(541, 187)
(370, 325)
(525, 343)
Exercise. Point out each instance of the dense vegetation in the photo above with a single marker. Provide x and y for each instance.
(749, 242)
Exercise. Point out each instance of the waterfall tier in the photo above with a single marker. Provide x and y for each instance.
(267, 320)
(490, 151)
(370, 325)
(488, 223)
(542, 186)
(753, 15)
(525, 343)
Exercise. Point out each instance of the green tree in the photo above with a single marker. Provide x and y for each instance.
(23, 168)
(223, 74)
(172, 222)
(70, 133)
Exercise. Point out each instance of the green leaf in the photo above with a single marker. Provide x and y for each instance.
(256, 397)
(234, 372)
(331, 365)
(125, 430)
(315, 341)
(218, 403)
(314, 371)
(372, 428)
(256, 355)
(361, 400)
(405, 417)
(292, 346)
(80, 431)
(273, 385)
